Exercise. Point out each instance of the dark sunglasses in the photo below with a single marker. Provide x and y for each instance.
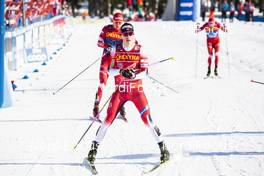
(128, 34)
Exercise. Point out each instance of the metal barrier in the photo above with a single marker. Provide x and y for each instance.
(32, 43)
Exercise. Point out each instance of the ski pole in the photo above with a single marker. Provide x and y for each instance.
(76, 76)
(92, 122)
(256, 82)
(227, 51)
(160, 61)
(196, 51)
(168, 87)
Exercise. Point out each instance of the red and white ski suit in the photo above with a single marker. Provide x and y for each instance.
(127, 89)
(109, 37)
(213, 40)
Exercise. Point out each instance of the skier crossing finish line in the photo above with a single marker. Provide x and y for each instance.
(128, 64)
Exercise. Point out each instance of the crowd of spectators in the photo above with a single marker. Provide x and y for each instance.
(248, 8)
(24, 12)
(230, 9)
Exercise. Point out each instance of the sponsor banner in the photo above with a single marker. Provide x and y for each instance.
(188, 10)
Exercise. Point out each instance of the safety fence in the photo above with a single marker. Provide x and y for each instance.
(36, 43)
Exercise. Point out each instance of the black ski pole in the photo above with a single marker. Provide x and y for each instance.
(168, 87)
(257, 82)
(76, 76)
(92, 122)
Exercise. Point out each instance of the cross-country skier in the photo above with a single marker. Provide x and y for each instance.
(109, 37)
(128, 65)
(212, 28)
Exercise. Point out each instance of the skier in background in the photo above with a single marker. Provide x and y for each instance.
(109, 37)
(212, 28)
(128, 65)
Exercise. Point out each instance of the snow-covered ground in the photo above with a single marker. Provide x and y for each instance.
(212, 127)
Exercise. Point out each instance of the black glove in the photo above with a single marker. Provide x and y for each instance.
(96, 109)
(108, 49)
(128, 73)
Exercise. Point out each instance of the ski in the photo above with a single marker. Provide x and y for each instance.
(212, 77)
(206, 77)
(156, 168)
(89, 166)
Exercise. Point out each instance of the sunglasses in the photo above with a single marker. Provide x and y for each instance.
(128, 34)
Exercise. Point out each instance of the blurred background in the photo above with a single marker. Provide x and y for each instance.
(24, 12)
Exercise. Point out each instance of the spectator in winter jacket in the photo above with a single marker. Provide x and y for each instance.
(232, 11)
(224, 10)
(240, 9)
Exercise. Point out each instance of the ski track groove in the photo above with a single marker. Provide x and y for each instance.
(32, 166)
(247, 114)
(216, 166)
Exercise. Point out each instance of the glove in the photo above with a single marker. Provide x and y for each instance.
(108, 49)
(96, 109)
(128, 73)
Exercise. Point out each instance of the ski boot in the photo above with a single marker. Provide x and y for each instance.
(89, 161)
(165, 155)
(123, 114)
(208, 72)
(92, 153)
(215, 71)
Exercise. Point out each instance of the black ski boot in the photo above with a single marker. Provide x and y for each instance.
(123, 114)
(215, 71)
(208, 71)
(165, 154)
(92, 153)
(89, 161)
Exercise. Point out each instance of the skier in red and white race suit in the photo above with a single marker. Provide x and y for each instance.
(128, 64)
(212, 29)
(109, 37)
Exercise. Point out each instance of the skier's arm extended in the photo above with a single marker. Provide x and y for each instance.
(200, 28)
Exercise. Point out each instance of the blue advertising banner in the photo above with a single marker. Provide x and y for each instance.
(188, 10)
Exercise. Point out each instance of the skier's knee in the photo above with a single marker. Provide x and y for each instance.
(147, 119)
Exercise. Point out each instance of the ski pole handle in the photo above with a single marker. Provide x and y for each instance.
(197, 25)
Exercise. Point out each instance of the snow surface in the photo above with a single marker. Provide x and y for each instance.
(212, 127)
